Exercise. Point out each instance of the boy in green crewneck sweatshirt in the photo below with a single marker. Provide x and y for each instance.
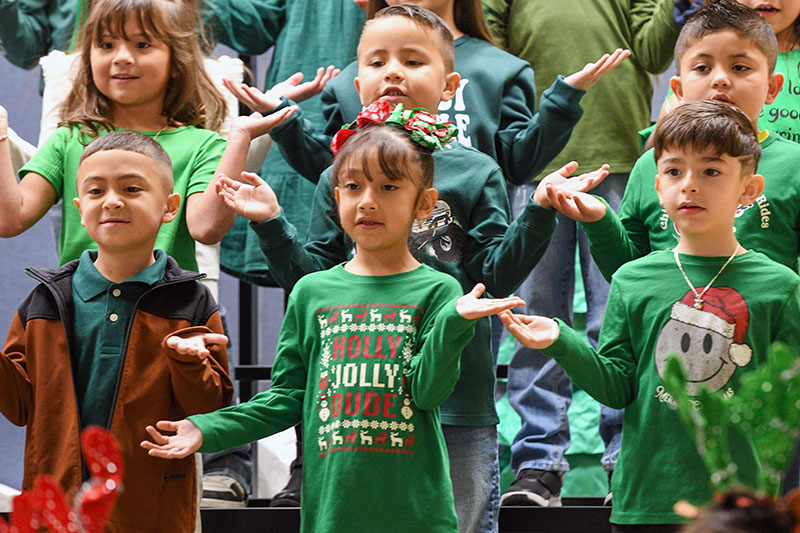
(711, 302)
(368, 350)
(726, 52)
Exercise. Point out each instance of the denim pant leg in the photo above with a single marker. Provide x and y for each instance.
(611, 189)
(538, 388)
(475, 474)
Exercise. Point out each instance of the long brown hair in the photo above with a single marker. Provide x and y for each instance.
(468, 16)
(190, 99)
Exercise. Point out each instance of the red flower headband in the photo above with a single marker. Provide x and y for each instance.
(424, 127)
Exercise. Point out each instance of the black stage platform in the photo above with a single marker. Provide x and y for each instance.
(579, 515)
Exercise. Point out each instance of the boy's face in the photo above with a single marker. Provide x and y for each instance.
(378, 214)
(123, 199)
(723, 66)
(399, 61)
(701, 190)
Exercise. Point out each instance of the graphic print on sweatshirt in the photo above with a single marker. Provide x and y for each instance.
(455, 111)
(362, 400)
(440, 236)
(708, 338)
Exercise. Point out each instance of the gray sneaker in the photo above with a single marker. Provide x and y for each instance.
(222, 491)
(535, 488)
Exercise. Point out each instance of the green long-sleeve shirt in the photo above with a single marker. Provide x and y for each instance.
(650, 315)
(364, 362)
(561, 37)
(468, 236)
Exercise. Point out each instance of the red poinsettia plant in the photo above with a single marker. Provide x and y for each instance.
(45, 508)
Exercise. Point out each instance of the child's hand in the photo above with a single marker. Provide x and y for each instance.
(195, 343)
(592, 72)
(578, 206)
(472, 307)
(187, 439)
(535, 332)
(254, 200)
(362, 4)
(256, 125)
(252, 97)
(292, 89)
(561, 180)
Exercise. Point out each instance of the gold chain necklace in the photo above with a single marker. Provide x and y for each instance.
(698, 297)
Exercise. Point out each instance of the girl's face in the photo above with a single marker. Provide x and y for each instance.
(132, 70)
(781, 15)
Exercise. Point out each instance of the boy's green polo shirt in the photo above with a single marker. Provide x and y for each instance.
(103, 312)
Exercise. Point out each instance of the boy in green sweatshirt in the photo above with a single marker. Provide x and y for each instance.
(738, 302)
(367, 352)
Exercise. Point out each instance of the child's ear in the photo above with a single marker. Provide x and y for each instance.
(775, 84)
(77, 203)
(426, 203)
(171, 210)
(336, 195)
(358, 90)
(753, 187)
(451, 83)
(658, 191)
(677, 87)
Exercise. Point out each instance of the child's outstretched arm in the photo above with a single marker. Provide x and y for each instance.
(445, 331)
(207, 217)
(254, 199)
(290, 88)
(187, 439)
(593, 72)
(22, 203)
(608, 373)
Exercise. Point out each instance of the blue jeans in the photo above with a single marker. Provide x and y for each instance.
(538, 388)
(475, 474)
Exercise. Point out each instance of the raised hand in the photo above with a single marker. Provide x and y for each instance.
(256, 125)
(561, 179)
(471, 306)
(592, 72)
(578, 206)
(291, 88)
(535, 332)
(254, 200)
(187, 439)
(195, 343)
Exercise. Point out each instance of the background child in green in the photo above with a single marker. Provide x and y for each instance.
(86, 347)
(737, 303)
(140, 69)
(726, 52)
(367, 350)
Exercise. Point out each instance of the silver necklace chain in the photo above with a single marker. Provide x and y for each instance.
(698, 297)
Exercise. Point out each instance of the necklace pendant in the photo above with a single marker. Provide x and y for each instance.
(698, 303)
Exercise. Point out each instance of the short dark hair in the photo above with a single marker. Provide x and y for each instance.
(720, 15)
(423, 18)
(709, 124)
(742, 511)
(399, 157)
(132, 141)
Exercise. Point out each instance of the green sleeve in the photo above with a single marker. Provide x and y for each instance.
(496, 14)
(271, 411)
(654, 33)
(25, 32)
(307, 151)
(502, 255)
(49, 160)
(787, 330)
(618, 238)
(204, 165)
(287, 257)
(608, 374)
(248, 26)
(435, 368)
(527, 143)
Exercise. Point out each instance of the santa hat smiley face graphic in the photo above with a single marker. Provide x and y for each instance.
(709, 341)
